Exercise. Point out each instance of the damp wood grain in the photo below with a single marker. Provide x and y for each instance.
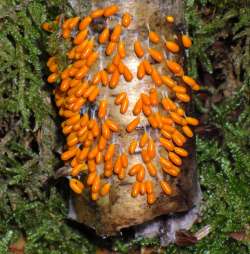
(119, 210)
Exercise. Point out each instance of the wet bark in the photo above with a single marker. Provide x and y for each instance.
(119, 210)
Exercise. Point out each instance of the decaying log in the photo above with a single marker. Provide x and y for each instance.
(119, 210)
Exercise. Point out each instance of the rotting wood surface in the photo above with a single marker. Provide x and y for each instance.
(119, 210)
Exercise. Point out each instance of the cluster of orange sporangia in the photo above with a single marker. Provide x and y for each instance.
(89, 144)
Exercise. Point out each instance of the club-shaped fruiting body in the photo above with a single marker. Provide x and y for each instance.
(90, 151)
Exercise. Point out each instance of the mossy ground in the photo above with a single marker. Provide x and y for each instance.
(31, 208)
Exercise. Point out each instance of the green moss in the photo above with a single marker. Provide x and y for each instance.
(29, 136)
(223, 159)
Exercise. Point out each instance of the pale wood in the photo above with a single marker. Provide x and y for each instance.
(119, 210)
